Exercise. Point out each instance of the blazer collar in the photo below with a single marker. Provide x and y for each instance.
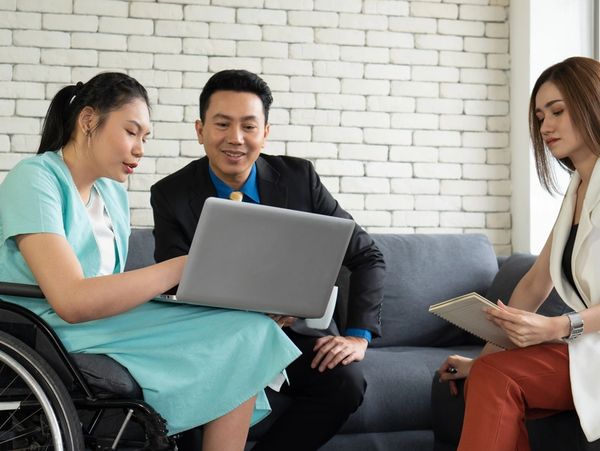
(592, 196)
(273, 191)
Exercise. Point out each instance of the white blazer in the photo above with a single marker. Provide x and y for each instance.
(584, 353)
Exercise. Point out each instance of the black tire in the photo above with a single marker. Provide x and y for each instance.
(36, 411)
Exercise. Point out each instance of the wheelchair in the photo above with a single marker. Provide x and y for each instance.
(47, 401)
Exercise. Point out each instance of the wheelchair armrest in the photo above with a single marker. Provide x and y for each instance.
(51, 347)
(20, 289)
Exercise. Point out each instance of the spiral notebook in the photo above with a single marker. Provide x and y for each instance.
(467, 313)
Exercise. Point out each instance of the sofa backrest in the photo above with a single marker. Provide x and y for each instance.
(422, 270)
(141, 249)
(512, 269)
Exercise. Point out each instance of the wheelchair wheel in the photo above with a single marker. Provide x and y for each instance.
(36, 411)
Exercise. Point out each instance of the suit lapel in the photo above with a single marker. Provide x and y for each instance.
(592, 196)
(586, 227)
(272, 191)
(560, 234)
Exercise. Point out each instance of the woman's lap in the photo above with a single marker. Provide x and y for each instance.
(194, 364)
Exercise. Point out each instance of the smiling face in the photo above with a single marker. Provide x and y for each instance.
(118, 143)
(233, 134)
(555, 125)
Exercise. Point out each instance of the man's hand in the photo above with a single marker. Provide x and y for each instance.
(332, 350)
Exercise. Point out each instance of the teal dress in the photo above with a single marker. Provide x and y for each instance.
(194, 364)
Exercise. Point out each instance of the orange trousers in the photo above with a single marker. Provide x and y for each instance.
(506, 388)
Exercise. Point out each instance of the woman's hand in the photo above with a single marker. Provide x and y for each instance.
(526, 328)
(455, 367)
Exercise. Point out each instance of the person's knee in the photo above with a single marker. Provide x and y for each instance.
(478, 369)
(483, 371)
(487, 375)
(351, 387)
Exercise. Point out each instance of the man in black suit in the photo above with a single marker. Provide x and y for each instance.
(325, 385)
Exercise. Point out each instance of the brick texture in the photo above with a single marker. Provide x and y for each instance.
(402, 105)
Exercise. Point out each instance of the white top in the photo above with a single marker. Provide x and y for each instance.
(103, 232)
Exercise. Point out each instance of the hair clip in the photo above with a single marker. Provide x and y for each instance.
(78, 88)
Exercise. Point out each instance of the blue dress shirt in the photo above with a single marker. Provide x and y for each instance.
(249, 189)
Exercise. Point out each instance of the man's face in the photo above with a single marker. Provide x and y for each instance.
(233, 134)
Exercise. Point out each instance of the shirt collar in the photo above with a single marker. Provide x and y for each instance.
(249, 188)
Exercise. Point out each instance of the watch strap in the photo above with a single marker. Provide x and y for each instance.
(576, 322)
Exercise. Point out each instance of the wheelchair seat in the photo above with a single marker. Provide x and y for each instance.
(107, 377)
(50, 398)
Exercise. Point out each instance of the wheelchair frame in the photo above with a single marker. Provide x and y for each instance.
(33, 332)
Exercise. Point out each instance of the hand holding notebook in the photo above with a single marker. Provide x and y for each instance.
(467, 312)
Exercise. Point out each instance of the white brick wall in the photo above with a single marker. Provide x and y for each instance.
(401, 104)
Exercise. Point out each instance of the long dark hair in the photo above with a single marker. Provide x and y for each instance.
(578, 80)
(105, 92)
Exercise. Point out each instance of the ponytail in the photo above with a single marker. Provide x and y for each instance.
(59, 121)
(105, 92)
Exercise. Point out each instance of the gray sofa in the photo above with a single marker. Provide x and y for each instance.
(400, 366)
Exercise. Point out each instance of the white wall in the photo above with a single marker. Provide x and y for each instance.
(543, 32)
(402, 105)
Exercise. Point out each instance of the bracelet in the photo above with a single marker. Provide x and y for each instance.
(576, 322)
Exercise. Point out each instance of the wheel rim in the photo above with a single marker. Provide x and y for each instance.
(40, 396)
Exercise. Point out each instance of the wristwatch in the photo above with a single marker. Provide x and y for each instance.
(576, 327)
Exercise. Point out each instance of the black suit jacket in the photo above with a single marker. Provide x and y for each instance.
(286, 182)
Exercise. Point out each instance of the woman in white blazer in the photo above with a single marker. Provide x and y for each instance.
(556, 364)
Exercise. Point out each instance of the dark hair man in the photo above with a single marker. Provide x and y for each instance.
(325, 385)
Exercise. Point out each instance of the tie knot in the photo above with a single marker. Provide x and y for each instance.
(236, 196)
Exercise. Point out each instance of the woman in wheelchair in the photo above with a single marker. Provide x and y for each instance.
(64, 225)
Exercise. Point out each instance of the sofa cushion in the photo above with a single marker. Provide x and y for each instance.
(422, 270)
(510, 273)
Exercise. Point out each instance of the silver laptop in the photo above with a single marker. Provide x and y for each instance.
(266, 259)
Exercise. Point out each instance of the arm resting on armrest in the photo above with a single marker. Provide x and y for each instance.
(20, 289)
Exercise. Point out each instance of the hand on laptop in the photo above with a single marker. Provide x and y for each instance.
(332, 350)
(283, 321)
